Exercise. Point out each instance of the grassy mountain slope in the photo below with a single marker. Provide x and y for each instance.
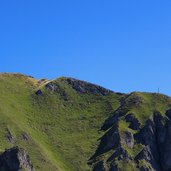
(62, 133)
(59, 122)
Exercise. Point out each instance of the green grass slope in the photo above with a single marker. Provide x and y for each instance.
(62, 134)
(59, 127)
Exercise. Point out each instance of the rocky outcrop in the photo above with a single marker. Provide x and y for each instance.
(109, 141)
(131, 100)
(127, 139)
(86, 87)
(99, 166)
(154, 137)
(120, 153)
(113, 140)
(39, 92)
(15, 159)
(10, 136)
(113, 119)
(134, 123)
(52, 86)
(146, 154)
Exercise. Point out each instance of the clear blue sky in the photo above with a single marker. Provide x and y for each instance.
(124, 45)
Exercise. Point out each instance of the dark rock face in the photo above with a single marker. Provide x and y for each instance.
(146, 169)
(154, 136)
(112, 140)
(147, 136)
(134, 123)
(15, 159)
(85, 87)
(114, 168)
(147, 155)
(131, 100)
(51, 86)
(113, 119)
(109, 141)
(120, 153)
(165, 150)
(39, 92)
(168, 113)
(99, 166)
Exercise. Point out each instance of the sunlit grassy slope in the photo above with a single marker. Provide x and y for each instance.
(60, 129)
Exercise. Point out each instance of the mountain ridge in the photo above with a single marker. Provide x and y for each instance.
(42, 81)
(68, 124)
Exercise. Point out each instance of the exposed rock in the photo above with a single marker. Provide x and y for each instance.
(110, 140)
(165, 148)
(127, 138)
(113, 119)
(147, 155)
(25, 137)
(134, 123)
(155, 136)
(120, 154)
(161, 128)
(51, 86)
(10, 137)
(143, 168)
(148, 137)
(117, 115)
(99, 166)
(114, 168)
(54, 87)
(39, 92)
(85, 87)
(132, 100)
(15, 159)
(168, 113)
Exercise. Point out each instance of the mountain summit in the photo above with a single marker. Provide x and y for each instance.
(72, 125)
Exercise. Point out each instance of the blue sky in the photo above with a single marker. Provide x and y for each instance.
(124, 45)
